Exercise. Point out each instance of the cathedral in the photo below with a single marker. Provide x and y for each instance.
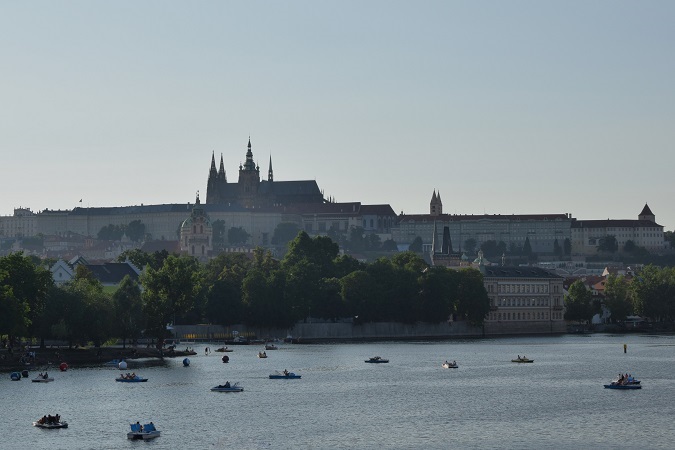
(249, 191)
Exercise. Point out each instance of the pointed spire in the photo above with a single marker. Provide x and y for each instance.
(221, 172)
(249, 164)
(433, 197)
(212, 172)
(270, 173)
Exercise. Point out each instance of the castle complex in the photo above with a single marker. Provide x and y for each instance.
(252, 192)
(259, 205)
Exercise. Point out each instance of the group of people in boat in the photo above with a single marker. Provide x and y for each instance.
(139, 427)
(44, 376)
(129, 376)
(226, 385)
(624, 379)
(453, 363)
(50, 420)
(524, 358)
(262, 354)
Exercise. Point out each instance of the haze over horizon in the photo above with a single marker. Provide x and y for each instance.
(503, 107)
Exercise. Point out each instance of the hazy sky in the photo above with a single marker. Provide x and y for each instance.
(504, 107)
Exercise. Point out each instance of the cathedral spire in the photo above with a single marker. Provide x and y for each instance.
(270, 173)
(213, 162)
(221, 171)
(249, 164)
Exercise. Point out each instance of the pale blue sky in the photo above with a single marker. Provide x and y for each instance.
(503, 106)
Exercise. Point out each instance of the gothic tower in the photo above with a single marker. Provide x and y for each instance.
(249, 180)
(270, 174)
(212, 193)
(436, 205)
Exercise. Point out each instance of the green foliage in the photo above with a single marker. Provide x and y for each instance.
(142, 259)
(237, 236)
(629, 246)
(608, 244)
(567, 247)
(111, 233)
(357, 242)
(416, 245)
(218, 227)
(557, 249)
(470, 246)
(653, 291)
(172, 292)
(285, 232)
(129, 316)
(135, 230)
(527, 247)
(493, 249)
(617, 298)
(24, 285)
(473, 301)
(578, 303)
(389, 246)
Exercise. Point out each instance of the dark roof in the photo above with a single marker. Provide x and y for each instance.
(164, 208)
(112, 272)
(518, 272)
(284, 188)
(158, 246)
(377, 210)
(462, 217)
(646, 211)
(614, 223)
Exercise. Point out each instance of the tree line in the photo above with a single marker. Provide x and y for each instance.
(312, 280)
(649, 293)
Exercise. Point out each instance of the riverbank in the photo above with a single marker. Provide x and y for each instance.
(34, 358)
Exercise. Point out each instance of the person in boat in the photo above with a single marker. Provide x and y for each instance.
(285, 372)
(139, 427)
(46, 376)
(454, 363)
(227, 384)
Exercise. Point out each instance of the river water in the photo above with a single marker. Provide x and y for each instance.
(342, 402)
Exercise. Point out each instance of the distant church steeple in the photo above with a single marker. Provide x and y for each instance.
(249, 164)
(221, 171)
(270, 173)
(436, 205)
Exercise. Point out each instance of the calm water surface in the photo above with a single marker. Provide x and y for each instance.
(342, 402)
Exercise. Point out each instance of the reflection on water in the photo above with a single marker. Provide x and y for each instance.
(342, 402)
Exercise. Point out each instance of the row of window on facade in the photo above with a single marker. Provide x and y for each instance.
(523, 288)
(526, 302)
(525, 316)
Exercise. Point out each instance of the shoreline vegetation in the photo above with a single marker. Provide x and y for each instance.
(51, 357)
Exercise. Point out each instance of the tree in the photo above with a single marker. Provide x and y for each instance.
(285, 232)
(557, 249)
(617, 297)
(218, 227)
(356, 241)
(111, 233)
(438, 287)
(470, 245)
(629, 246)
(473, 300)
(129, 315)
(608, 244)
(237, 236)
(135, 230)
(372, 242)
(578, 303)
(28, 285)
(567, 247)
(171, 293)
(416, 245)
(389, 246)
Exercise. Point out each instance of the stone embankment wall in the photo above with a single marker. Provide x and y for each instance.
(368, 331)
